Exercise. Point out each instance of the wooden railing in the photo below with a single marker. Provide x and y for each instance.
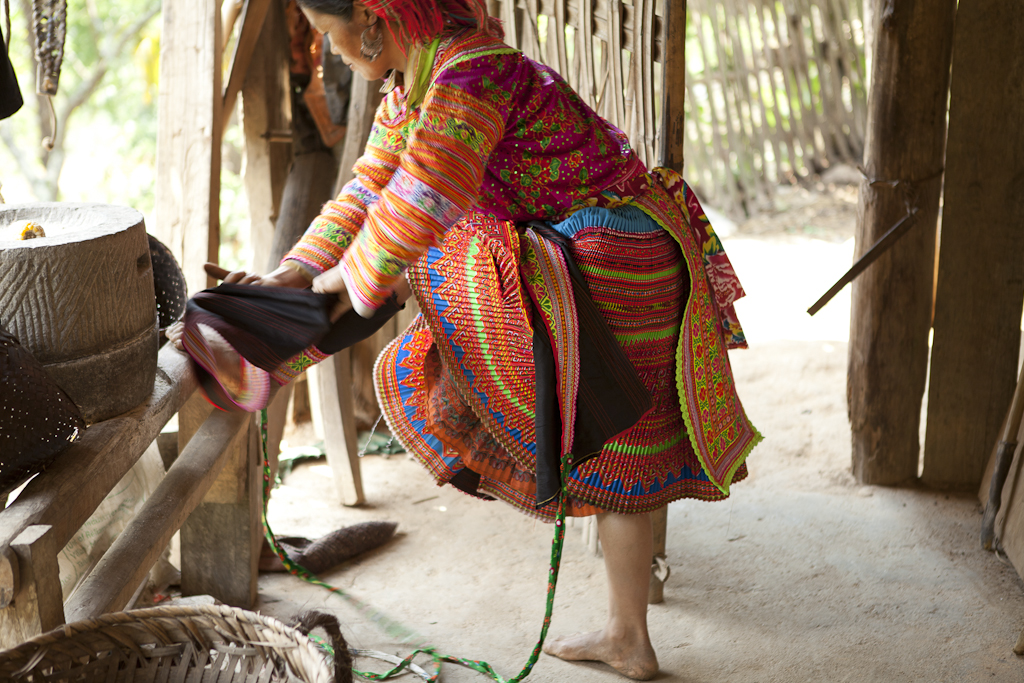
(211, 493)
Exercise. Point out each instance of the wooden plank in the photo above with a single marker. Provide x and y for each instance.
(69, 491)
(1009, 525)
(222, 538)
(125, 564)
(253, 16)
(334, 377)
(37, 606)
(891, 308)
(980, 286)
(266, 108)
(189, 116)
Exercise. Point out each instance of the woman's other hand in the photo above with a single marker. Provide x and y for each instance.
(331, 282)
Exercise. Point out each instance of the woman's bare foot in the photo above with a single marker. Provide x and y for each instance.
(630, 656)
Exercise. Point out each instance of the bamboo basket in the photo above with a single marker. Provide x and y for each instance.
(170, 644)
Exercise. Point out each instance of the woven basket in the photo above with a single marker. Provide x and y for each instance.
(180, 644)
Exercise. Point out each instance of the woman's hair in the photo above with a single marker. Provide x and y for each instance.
(412, 21)
(338, 8)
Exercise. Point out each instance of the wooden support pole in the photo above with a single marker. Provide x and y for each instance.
(980, 288)
(892, 300)
(659, 564)
(673, 127)
(189, 111)
(266, 111)
(222, 538)
(334, 403)
(673, 134)
(124, 566)
(334, 379)
(37, 606)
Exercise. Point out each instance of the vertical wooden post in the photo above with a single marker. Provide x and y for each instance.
(334, 378)
(891, 307)
(980, 287)
(266, 115)
(334, 405)
(38, 604)
(673, 134)
(673, 93)
(222, 538)
(189, 111)
(659, 525)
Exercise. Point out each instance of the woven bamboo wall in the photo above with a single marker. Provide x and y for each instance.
(775, 90)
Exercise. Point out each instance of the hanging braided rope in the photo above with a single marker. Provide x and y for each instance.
(395, 628)
(50, 20)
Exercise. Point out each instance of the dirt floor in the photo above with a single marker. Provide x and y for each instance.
(803, 575)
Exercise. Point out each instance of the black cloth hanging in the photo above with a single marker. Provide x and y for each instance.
(10, 93)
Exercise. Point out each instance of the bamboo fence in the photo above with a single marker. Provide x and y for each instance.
(775, 90)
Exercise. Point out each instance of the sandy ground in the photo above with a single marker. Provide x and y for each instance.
(803, 575)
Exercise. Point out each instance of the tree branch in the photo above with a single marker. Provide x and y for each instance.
(89, 85)
(35, 179)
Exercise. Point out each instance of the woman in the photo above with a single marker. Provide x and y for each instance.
(473, 142)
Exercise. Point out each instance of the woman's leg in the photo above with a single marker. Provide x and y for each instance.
(624, 644)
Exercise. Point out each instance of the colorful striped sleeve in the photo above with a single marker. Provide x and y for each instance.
(437, 181)
(331, 233)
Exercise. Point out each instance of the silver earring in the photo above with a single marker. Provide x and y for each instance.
(372, 45)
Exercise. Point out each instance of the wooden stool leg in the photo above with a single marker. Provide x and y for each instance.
(659, 564)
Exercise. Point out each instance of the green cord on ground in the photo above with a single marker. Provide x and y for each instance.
(396, 629)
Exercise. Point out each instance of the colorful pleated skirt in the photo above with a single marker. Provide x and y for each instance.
(458, 386)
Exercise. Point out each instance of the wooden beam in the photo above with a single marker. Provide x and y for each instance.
(892, 299)
(189, 117)
(253, 16)
(124, 566)
(980, 288)
(69, 491)
(37, 606)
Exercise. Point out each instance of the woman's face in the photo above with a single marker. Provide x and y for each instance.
(346, 41)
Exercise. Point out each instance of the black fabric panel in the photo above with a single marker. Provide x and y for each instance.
(610, 398)
(352, 327)
(547, 418)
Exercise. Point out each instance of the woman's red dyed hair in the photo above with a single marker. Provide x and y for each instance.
(420, 21)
